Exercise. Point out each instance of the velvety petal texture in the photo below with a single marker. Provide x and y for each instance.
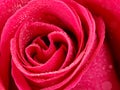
(110, 12)
(7, 9)
(59, 45)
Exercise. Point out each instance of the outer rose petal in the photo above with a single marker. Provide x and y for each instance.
(7, 8)
(110, 11)
(101, 73)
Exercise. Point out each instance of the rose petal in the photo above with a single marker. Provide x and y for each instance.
(101, 74)
(7, 8)
(110, 12)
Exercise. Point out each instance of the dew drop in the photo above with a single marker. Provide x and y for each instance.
(25, 16)
(9, 10)
(110, 67)
(40, 18)
(78, 84)
(103, 68)
(90, 76)
(106, 85)
(19, 5)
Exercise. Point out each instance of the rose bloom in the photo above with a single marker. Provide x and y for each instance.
(59, 45)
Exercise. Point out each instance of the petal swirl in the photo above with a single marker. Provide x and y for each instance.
(51, 48)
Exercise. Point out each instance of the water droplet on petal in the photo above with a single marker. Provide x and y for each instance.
(106, 85)
(103, 68)
(110, 66)
(78, 84)
(9, 10)
(19, 6)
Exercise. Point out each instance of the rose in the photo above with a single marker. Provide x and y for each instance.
(75, 34)
(60, 44)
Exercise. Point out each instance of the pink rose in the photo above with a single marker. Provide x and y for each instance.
(59, 44)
